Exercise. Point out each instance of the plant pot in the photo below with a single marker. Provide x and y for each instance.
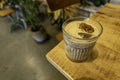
(39, 35)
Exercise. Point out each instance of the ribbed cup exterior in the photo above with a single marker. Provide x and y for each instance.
(78, 52)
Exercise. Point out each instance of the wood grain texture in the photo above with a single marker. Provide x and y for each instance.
(104, 63)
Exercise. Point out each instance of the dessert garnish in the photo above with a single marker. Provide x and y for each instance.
(84, 35)
(87, 28)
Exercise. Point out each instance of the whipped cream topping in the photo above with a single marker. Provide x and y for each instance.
(82, 29)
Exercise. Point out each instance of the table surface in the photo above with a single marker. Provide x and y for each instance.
(104, 63)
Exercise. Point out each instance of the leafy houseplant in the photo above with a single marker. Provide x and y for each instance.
(30, 10)
(94, 2)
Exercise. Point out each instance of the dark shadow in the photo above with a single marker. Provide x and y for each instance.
(85, 78)
(93, 55)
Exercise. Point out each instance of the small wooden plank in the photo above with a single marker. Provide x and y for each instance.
(5, 12)
(104, 64)
(105, 67)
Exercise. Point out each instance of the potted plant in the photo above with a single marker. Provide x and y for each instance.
(30, 10)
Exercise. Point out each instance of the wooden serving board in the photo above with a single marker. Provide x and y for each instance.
(104, 63)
